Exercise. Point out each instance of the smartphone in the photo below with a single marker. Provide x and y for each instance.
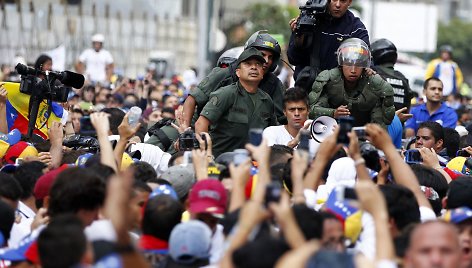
(19, 161)
(273, 192)
(463, 153)
(86, 127)
(345, 126)
(240, 155)
(413, 156)
(255, 136)
(304, 140)
(360, 133)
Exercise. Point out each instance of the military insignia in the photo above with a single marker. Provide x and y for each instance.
(269, 44)
(204, 81)
(214, 100)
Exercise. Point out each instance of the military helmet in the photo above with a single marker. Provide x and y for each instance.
(229, 56)
(384, 51)
(262, 39)
(354, 52)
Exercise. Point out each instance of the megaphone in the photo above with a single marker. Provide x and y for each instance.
(322, 127)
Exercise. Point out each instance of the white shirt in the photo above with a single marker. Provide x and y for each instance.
(96, 63)
(280, 135)
(217, 245)
(446, 75)
(23, 228)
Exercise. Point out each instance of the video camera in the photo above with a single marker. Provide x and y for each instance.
(309, 14)
(41, 89)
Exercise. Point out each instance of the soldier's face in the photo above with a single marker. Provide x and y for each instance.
(434, 91)
(337, 8)
(352, 73)
(250, 71)
(269, 58)
(296, 113)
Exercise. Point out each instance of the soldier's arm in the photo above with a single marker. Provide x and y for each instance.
(319, 104)
(188, 110)
(202, 124)
(219, 103)
(278, 100)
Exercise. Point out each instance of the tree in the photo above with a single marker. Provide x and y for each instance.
(458, 34)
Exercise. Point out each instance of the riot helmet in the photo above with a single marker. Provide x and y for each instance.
(229, 56)
(384, 51)
(354, 52)
(263, 40)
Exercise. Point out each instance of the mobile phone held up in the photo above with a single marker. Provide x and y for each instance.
(345, 125)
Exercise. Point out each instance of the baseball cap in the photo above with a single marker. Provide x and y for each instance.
(458, 215)
(190, 242)
(164, 189)
(82, 159)
(208, 196)
(20, 150)
(44, 183)
(251, 53)
(11, 137)
(461, 164)
(181, 178)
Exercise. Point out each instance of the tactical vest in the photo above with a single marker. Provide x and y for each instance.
(399, 83)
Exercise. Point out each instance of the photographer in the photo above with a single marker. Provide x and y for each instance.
(330, 26)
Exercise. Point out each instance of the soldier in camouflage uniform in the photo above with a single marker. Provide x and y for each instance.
(233, 110)
(220, 77)
(348, 91)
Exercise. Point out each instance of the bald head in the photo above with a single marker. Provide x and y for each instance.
(434, 244)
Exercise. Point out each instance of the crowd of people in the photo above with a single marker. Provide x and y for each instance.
(239, 170)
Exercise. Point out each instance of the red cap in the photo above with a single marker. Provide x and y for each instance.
(44, 183)
(208, 196)
(19, 150)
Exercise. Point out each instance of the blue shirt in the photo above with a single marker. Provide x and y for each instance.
(445, 116)
(395, 130)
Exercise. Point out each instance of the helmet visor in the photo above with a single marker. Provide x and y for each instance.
(354, 55)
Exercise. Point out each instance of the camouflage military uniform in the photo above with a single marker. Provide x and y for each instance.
(232, 111)
(220, 77)
(370, 101)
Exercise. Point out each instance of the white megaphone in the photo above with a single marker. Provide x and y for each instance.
(322, 127)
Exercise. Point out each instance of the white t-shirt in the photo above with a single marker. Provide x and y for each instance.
(280, 135)
(23, 228)
(96, 63)
(446, 74)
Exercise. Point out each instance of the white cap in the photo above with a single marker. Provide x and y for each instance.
(98, 38)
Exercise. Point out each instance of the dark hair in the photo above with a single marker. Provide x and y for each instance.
(287, 175)
(141, 186)
(41, 60)
(452, 142)
(460, 193)
(174, 157)
(10, 188)
(432, 178)
(161, 214)
(76, 189)
(143, 171)
(402, 205)
(78, 111)
(168, 110)
(62, 243)
(7, 218)
(309, 220)
(436, 129)
(260, 253)
(426, 82)
(27, 174)
(116, 117)
(294, 94)
(280, 154)
(70, 157)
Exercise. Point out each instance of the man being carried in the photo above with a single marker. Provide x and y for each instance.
(347, 91)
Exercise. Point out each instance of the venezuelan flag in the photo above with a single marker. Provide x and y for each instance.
(17, 112)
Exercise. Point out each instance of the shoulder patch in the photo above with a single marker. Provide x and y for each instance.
(214, 100)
